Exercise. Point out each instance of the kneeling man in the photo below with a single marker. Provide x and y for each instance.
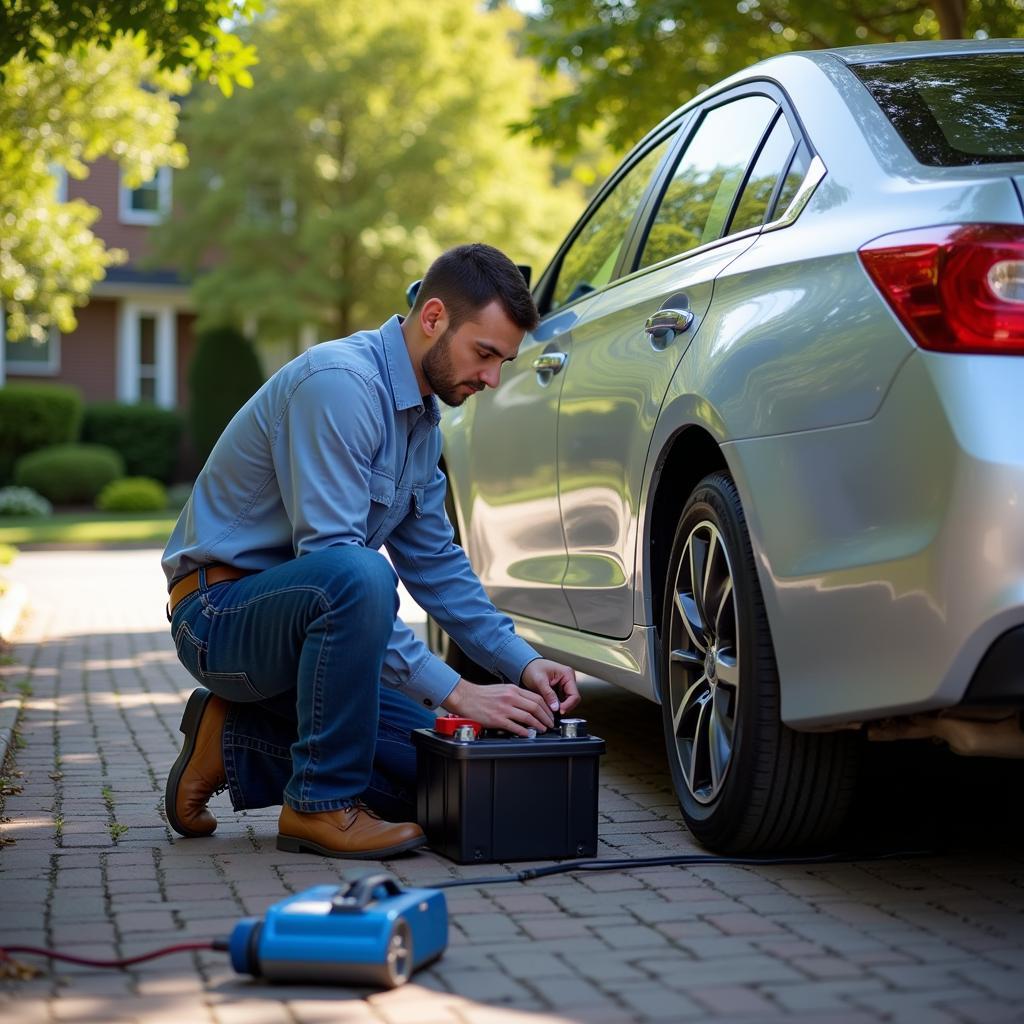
(285, 611)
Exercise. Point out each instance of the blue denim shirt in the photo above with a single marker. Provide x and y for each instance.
(339, 447)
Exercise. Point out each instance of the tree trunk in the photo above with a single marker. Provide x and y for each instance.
(951, 17)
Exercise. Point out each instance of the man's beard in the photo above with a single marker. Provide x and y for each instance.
(440, 375)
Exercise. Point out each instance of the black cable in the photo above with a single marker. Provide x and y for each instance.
(676, 860)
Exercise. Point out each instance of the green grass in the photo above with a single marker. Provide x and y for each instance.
(88, 528)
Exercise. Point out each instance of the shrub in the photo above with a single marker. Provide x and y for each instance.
(222, 376)
(23, 501)
(69, 473)
(177, 495)
(8, 553)
(34, 416)
(145, 436)
(133, 494)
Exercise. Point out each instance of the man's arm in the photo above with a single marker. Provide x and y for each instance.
(440, 578)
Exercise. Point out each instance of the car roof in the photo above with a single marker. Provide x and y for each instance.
(882, 52)
(770, 67)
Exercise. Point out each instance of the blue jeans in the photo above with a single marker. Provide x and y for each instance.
(297, 651)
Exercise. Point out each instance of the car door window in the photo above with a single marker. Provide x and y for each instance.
(588, 264)
(700, 194)
(769, 166)
(798, 168)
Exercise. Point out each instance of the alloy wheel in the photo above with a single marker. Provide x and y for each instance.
(704, 662)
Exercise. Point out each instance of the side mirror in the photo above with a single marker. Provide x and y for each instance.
(411, 291)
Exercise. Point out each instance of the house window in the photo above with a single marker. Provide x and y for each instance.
(146, 364)
(148, 203)
(31, 358)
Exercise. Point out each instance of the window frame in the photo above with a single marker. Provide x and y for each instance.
(757, 87)
(786, 164)
(19, 368)
(165, 369)
(546, 283)
(128, 215)
(683, 124)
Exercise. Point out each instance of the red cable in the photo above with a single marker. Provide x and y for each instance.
(184, 947)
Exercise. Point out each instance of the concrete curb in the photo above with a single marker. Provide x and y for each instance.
(12, 604)
(10, 708)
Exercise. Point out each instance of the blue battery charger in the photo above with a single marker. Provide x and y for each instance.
(369, 932)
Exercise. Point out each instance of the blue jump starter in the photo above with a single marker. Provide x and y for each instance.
(371, 932)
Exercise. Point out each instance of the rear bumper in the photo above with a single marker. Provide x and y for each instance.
(891, 552)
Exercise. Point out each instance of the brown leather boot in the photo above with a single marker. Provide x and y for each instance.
(199, 771)
(351, 832)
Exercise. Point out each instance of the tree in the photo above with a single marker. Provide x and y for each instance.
(80, 80)
(374, 137)
(67, 111)
(187, 34)
(631, 62)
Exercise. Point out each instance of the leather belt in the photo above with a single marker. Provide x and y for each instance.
(189, 584)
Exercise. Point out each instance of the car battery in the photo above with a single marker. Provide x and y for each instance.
(485, 796)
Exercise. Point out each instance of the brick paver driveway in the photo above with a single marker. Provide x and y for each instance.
(95, 870)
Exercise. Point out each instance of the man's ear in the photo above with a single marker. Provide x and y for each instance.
(433, 318)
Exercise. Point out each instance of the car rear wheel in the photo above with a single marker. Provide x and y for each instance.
(745, 782)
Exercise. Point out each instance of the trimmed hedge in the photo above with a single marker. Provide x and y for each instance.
(146, 437)
(34, 416)
(69, 473)
(223, 375)
(133, 494)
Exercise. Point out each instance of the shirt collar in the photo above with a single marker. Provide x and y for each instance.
(405, 391)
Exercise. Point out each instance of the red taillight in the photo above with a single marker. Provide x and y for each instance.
(957, 288)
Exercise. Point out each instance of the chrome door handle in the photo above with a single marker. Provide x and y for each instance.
(547, 365)
(550, 362)
(663, 326)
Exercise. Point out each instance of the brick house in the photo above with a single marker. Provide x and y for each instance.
(135, 337)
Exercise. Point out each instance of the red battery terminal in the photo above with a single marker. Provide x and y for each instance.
(447, 724)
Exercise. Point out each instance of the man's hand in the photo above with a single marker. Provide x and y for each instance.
(500, 706)
(545, 677)
(513, 708)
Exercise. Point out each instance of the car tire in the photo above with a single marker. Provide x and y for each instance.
(746, 783)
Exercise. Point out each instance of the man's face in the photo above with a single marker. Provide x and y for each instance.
(468, 359)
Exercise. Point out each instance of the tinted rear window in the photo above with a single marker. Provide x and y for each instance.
(953, 111)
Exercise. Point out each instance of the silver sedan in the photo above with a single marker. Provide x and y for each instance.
(763, 458)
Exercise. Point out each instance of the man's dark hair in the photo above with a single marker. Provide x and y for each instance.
(469, 277)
